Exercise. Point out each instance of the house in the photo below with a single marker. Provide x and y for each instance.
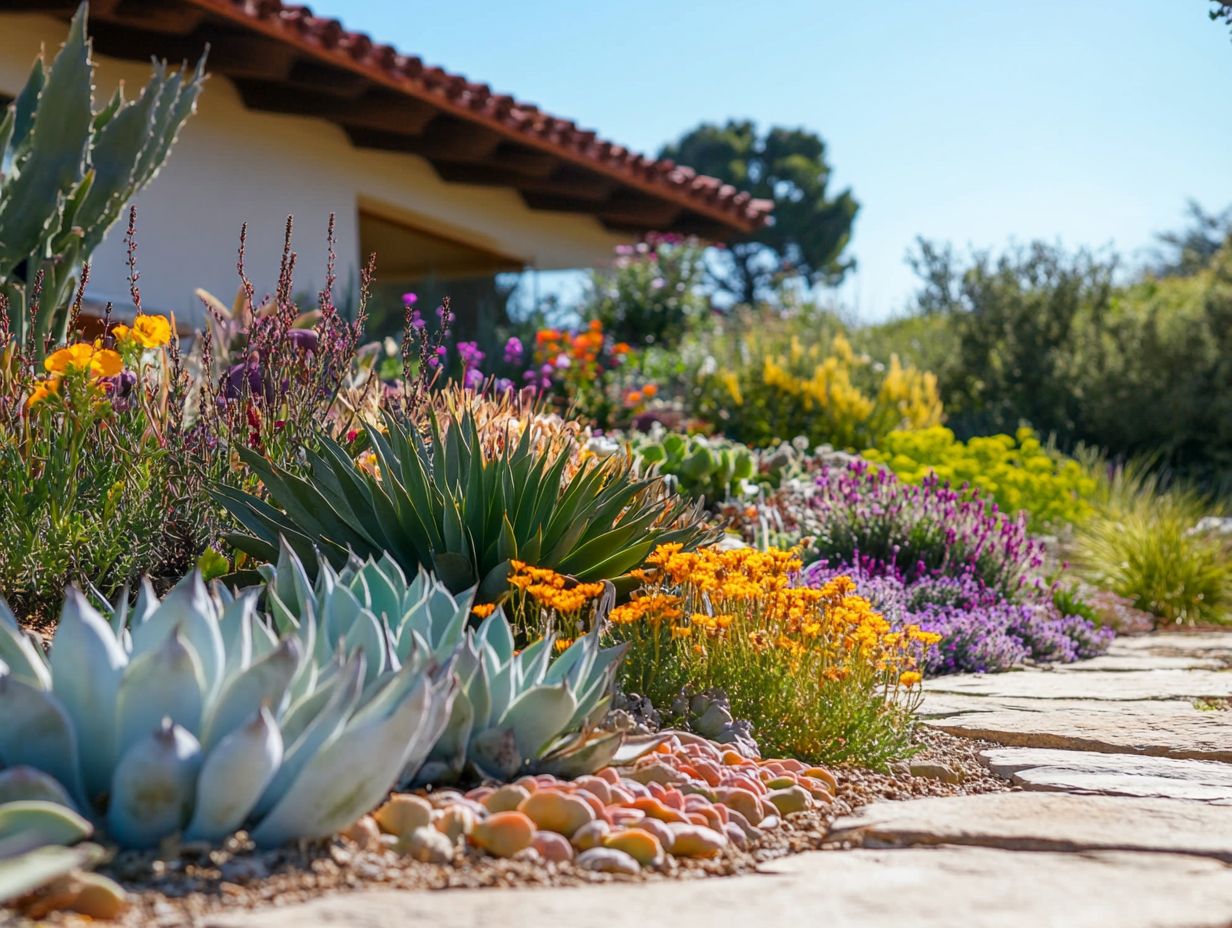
(443, 178)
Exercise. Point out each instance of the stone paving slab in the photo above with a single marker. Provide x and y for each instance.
(1084, 772)
(1094, 685)
(923, 888)
(1172, 643)
(1161, 729)
(1146, 660)
(1040, 821)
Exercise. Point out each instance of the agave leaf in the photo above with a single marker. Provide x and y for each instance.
(581, 756)
(153, 786)
(538, 716)
(35, 823)
(18, 652)
(39, 733)
(23, 783)
(447, 757)
(26, 872)
(165, 683)
(86, 663)
(233, 777)
(188, 607)
(494, 754)
(264, 683)
(349, 776)
(322, 729)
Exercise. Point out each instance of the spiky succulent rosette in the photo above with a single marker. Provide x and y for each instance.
(190, 716)
(534, 710)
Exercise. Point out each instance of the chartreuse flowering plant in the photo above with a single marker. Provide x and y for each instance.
(1017, 471)
(823, 675)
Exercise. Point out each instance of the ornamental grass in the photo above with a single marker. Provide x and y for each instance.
(822, 675)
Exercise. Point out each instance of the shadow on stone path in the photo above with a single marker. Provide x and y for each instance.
(1124, 819)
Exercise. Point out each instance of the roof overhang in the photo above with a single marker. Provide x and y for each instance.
(283, 59)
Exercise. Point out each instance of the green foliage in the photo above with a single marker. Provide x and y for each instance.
(811, 226)
(651, 294)
(1046, 338)
(1144, 543)
(69, 171)
(1016, 471)
(91, 488)
(447, 505)
(189, 716)
(702, 467)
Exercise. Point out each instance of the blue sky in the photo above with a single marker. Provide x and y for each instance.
(1088, 122)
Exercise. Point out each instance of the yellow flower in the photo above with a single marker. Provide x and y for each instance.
(910, 678)
(42, 390)
(98, 362)
(147, 331)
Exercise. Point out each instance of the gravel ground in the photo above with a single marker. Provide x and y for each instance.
(180, 886)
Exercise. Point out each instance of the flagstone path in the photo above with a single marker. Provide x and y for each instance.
(1123, 818)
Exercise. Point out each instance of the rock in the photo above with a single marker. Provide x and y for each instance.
(924, 888)
(558, 812)
(552, 847)
(930, 771)
(1048, 821)
(1101, 686)
(792, 799)
(427, 845)
(1112, 774)
(505, 799)
(364, 833)
(455, 822)
(504, 833)
(591, 835)
(403, 813)
(1160, 728)
(696, 841)
(639, 844)
(608, 860)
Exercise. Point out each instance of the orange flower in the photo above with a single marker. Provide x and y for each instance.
(649, 390)
(42, 390)
(633, 398)
(483, 610)
(98, 362)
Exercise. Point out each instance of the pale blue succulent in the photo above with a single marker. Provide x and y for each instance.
(190, 716)
(37, 833)
(368, 605)
(514, 712)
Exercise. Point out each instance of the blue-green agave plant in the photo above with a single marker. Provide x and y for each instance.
(189, 716)
(532, 711)
(39, 833)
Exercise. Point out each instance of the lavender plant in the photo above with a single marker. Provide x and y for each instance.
(856, 510)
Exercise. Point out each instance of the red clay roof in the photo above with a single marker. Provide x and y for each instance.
(570, 168)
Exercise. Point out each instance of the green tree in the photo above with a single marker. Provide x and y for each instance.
(811, 227)
(1190, 249)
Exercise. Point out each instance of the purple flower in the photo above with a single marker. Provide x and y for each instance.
(304, 339)
(410, 299)
(472, 379)
(470, 355)
(514, 350)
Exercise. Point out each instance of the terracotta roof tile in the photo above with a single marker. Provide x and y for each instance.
(385, 63)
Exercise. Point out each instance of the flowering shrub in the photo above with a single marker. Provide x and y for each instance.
(1016, 471)
(89, 486)
(826, 393)
(860, 511)
(586, 371)
(980, 631)
(821, 674)
(651, 295)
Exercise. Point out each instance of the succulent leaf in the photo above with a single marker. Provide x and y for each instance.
(153, 787)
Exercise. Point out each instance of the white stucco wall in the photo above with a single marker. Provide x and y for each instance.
(233, 165)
